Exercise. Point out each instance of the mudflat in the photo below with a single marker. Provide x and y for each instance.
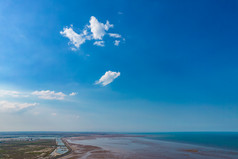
(136, 147)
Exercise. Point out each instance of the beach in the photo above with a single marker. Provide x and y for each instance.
(138, 147)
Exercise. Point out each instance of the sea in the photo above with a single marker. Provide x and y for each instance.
(224, 140)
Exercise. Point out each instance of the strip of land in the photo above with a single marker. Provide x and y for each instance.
(86, 152)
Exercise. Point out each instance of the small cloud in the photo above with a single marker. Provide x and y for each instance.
(73, 49)
(49, 95)
(77, 116)
(120, 13)
(15, 106)
(98, 29)
(114, 35)
(53, 114)
(75, 39)
(116, 42)
(72, 94)
(99, 43)
(108, 78)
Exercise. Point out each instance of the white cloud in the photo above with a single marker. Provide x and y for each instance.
(10, 93)
(95, 30)
(73, 49)
(99, 43)
(14, 106)
(98, 29)
(75, 38)
(116, 42)
(114, 35)
(72, 94)
(108, 77)
(49, 95)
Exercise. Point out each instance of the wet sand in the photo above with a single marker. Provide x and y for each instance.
(87, 152)
(134, 147)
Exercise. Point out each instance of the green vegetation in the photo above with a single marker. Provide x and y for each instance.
(21, 149)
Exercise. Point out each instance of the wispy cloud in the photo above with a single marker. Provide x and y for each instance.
(114, 35)
(50, 95)
(108, 78)
(14, 106)
(73, 94)
(99, 43)
(116, 42)
(44, 94)
(10, 93)
(95, 30)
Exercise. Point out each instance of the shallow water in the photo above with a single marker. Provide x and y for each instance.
(61, 148)
(224, 140)
(153, 149)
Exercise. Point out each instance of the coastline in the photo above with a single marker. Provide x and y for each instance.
(84, 151)
(132, 147)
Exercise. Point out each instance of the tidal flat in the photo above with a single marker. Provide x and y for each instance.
(140, 147)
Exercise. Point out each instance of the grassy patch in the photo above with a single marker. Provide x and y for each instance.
(16, 149)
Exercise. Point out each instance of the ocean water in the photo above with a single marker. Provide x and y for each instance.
(224, 140)
(153, 148)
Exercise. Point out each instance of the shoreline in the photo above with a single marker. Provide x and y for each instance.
(132, 147)
(84, 151)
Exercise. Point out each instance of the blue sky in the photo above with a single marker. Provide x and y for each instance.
(174, 68)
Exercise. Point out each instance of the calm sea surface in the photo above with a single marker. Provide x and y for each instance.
(225, 140)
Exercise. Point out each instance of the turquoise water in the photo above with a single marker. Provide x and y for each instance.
(225, 140)
(131, 146)
(61, 149)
